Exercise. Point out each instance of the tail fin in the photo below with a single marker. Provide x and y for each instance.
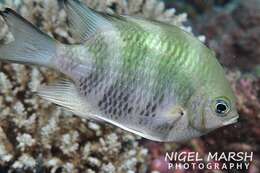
(30, 45)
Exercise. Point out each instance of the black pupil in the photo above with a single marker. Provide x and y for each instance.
(221, 108)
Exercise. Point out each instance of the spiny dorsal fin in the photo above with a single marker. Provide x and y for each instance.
(84, 22)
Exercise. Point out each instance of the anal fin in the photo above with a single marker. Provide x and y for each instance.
(64, 93)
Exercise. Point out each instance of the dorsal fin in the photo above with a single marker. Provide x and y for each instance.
(84, 22)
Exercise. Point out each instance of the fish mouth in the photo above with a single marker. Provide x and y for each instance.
(231, 121)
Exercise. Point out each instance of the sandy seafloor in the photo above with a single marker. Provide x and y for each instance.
(36, 136)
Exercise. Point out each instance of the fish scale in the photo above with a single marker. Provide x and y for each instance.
(141, 59)
(147, 71)
(147, 77)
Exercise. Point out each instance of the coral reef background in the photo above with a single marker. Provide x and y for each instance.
(36, 136)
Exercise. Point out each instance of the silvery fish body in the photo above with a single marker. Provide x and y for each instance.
(149, 78)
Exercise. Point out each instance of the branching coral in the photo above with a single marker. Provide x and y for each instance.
(234, 33)
(35, 133)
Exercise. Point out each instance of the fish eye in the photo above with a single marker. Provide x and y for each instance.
(221, 107)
